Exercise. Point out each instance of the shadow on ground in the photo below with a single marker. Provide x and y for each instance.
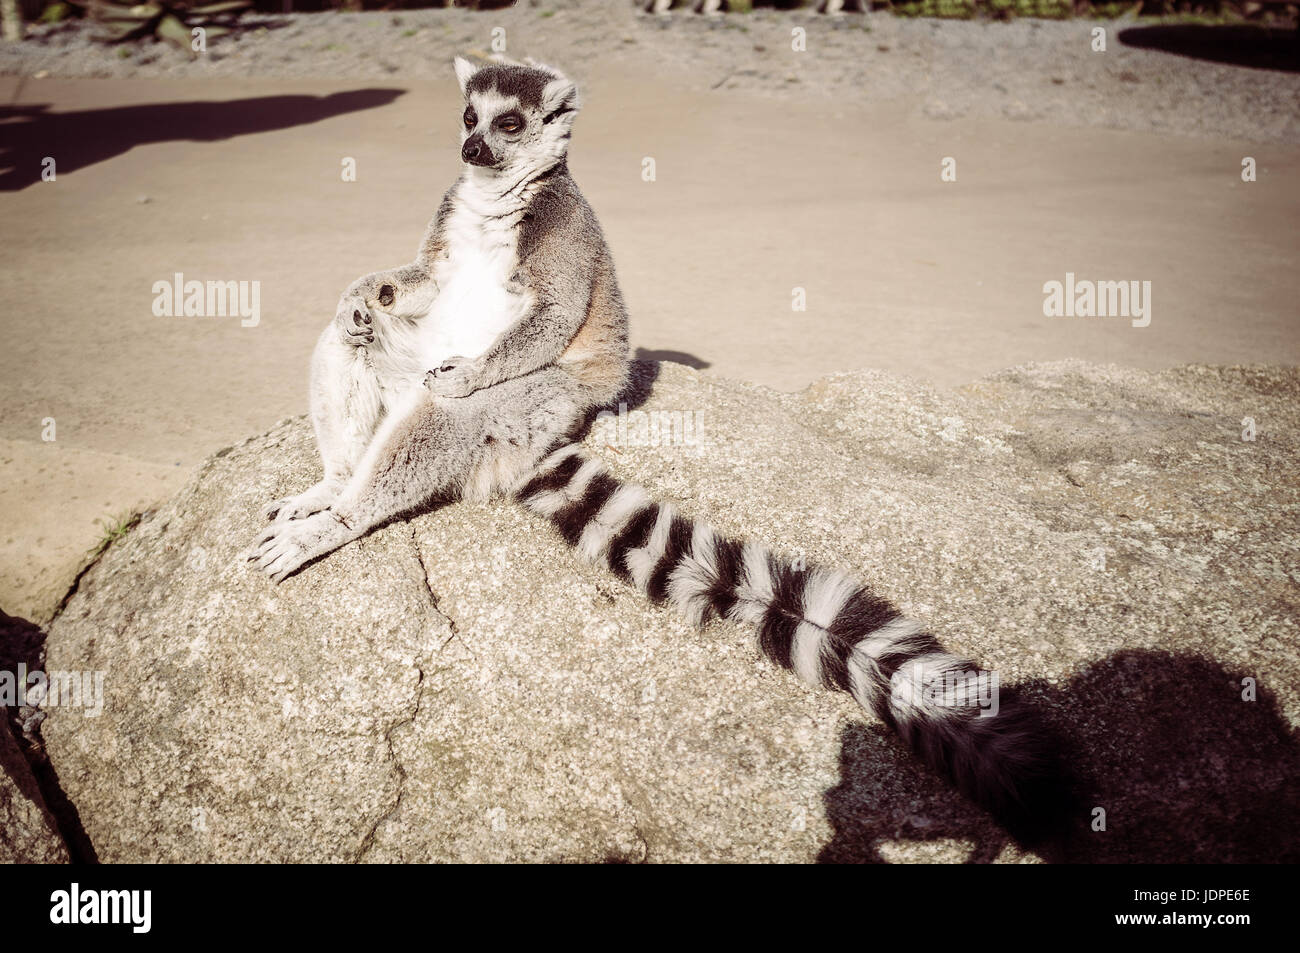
(1235, 44)
(1185, 769)
(23, 643)
(78, 139)
(676, 357)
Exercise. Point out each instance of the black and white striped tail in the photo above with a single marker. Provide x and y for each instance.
(831, 630)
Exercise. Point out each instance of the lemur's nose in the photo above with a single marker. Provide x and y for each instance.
(470, 150)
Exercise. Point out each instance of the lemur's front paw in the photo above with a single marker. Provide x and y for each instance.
(454, 377)
(355, 321)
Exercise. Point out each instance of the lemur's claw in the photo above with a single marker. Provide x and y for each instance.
(363, 328)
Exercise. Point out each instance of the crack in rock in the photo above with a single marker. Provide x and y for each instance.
(368, 841)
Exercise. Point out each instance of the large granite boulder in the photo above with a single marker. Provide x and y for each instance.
(460, 687)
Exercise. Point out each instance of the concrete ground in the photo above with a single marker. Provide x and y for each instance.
(753, 197)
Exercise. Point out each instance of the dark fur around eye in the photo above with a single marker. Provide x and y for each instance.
(510, 122)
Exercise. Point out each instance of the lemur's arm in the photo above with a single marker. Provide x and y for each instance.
(536, 340)
(559, 249)
(404, 292)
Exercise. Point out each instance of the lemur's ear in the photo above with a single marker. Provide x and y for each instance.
(464, 70)
(559, 98)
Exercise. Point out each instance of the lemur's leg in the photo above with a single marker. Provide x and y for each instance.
(434, 448)
(346, 407)
(361, 362)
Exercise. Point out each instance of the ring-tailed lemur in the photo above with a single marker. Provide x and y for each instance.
(511, 318)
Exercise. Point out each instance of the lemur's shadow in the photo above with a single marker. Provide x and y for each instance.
(674, 357)
(1184, 768)
(28, 134)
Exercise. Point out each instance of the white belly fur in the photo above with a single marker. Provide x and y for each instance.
(473, 306)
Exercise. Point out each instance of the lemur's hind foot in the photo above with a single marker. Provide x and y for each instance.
(287, 546)
(310, 501)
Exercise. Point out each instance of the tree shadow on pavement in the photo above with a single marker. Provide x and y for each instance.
(81, 138)
(1184, 768)
(1258, 47)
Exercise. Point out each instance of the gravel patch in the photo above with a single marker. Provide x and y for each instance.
(1033, 70)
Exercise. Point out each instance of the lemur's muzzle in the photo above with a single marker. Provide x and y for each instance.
(476, 152)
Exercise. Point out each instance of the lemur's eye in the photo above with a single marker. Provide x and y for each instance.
(471, 120)
(510, 123)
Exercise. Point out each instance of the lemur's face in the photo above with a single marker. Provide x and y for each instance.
(516, 118)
